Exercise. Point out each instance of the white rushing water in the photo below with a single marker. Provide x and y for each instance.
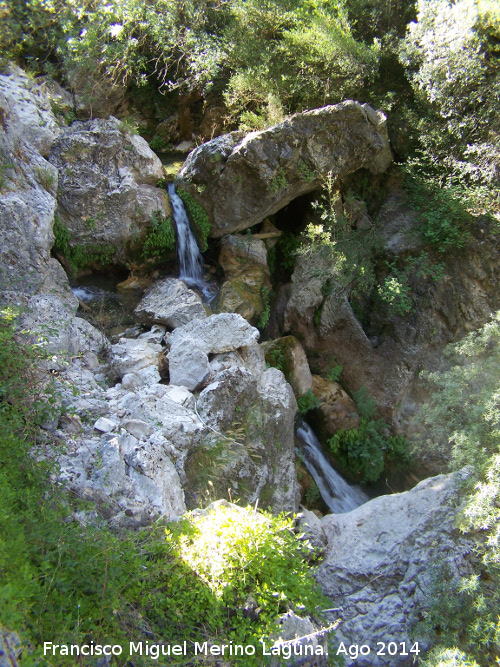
(188, 253)
(335, 491)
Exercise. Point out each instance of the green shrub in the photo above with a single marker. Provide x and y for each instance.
(67, 583)
(442, 210)
(161, 238)
(198, 216)
(308, 401)
(460, 425)
(366, 450)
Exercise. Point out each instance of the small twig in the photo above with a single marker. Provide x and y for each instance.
(213, 430)
(333, 626)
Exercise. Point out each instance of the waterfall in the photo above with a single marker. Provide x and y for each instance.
(188, 253)
(335, 491)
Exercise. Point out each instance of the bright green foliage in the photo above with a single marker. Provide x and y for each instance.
(345, 254)
(396, 290)
(334, 370)
(161, 238)
(79, 256)
(448, 658)
(443, 211)
(462, 420)
(159, 144)
(307, 401)
(288, 56)
(366, 450)
(452, 58)
(266, 312)
(234, 554)
(67, 583)
(198, 217)
(462, 426)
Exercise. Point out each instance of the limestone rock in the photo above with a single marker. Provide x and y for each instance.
(247, 178)
(25, 111)
(288, 355)
(310, 527)
(377, 566)
(244, 260)
(143, 377)
(107, 195)
(131, 355)
(97, 95)
(169, 129)
(254, 457)
(170, 302)
(337, 410)
(10, 648)
(303, 651)
(188, 364)
(191, 344)
(217, 333)
(29, 184)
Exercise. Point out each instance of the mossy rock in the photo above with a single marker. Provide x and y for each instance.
(243, 295)
(287, 355)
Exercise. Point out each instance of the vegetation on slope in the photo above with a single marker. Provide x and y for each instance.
(462, 422)
(67, 582)
(434, 67)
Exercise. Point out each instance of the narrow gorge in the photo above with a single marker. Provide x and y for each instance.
(249, 394)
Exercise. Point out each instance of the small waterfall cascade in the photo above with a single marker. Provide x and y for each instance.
(335, 491)
(188, 253)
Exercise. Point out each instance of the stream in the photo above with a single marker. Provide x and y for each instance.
(340, 496)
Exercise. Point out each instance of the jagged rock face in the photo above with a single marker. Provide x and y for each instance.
(288, 355)
(252, 451)
(244, 261)
(191, 344)
(28, 184)
(170, 302)
(242, 179)
(26, 116)
(107, 195)
(377, 566)
(387, 363)
(336, 409)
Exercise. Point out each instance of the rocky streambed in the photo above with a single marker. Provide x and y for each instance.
(185, 410)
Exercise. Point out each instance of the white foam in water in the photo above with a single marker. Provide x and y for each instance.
(86, 294)
(335, 491)
(190, 258)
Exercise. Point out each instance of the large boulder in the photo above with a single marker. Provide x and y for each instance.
(191, 344)
(336, 408)
(26, 116)
(242, 179)
(132, 355)
(170, 302)
(107, 196)
(250, 447)
(376, 570)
